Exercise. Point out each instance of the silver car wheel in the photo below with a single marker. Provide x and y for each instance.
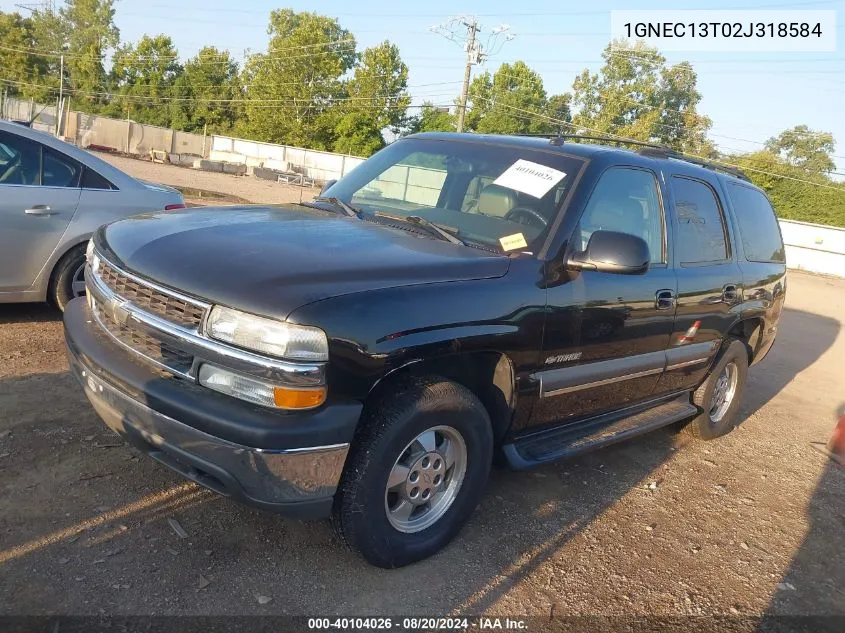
(77, 283)
(425, 479)
(724, 392)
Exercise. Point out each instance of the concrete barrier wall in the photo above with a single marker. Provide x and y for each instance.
(315, 164)
(814, 247)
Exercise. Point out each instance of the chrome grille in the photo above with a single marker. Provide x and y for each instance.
(153, 301)
(153, 349)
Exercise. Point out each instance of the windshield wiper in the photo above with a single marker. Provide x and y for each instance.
(337, 203)
(446, 233)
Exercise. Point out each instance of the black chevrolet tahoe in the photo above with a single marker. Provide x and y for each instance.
(454, 301)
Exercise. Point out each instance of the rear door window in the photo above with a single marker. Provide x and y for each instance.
(59, 170)
(701, 226)
(92, 180)
(758, 227)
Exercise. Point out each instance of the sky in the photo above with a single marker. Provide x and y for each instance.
(749, 96)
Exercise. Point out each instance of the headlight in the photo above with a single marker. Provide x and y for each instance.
(267, 336)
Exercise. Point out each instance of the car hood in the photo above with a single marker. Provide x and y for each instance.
(272, 260)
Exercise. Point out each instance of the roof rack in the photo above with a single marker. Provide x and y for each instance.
(558, 139)
(666, 152)
(652, 150)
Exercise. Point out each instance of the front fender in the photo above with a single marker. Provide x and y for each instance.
(374, 333)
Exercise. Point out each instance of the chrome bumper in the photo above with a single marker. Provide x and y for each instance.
(298, 481)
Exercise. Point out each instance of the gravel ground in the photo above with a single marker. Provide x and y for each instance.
(246, 187)
(753, 523)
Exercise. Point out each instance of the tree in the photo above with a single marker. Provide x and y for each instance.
(636, 95)
(292, 85)
(144, 76)
(207, 95)
(795, 194)
(558, 108)
(512, 101)
(23, 71)
(431, 119)
(89, 30)
(375, 99)
(804, 148)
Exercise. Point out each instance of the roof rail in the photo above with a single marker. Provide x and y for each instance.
(701, 162)
(652, 150)
(558, 139)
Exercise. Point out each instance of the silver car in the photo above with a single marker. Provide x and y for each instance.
(53, 196)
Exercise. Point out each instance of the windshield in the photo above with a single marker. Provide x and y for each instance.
(494, 194)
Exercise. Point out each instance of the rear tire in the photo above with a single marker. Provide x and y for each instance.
(720, 396)
(68, 278)
(416, 471)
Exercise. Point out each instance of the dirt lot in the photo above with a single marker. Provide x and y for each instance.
(244, 187)
(753, 523)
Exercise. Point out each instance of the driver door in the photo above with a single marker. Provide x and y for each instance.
(606, 334)
(39, 193)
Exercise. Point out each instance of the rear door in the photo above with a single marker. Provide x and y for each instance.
(763, 262)
(39, 194)
(710, 281)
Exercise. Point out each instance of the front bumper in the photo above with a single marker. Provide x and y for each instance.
(145, 409)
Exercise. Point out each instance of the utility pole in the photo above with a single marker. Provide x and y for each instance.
(473, 57)
(477, 53)
(61, 104)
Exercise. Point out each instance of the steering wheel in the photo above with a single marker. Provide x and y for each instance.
(526, 211)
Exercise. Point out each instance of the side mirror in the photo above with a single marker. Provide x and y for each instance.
(327, 185)
(612, 252)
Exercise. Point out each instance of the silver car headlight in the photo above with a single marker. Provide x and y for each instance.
(267, 336)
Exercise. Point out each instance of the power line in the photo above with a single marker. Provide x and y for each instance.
(612, 136)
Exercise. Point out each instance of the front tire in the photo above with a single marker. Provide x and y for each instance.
(68, 281)
(416, 471)
(720, 396)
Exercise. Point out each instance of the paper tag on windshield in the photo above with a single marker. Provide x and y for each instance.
(531, 178)
(513, 242)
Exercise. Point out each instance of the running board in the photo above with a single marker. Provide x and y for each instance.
(573, 439)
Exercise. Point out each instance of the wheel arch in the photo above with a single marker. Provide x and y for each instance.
(488, 374)
(750, 332)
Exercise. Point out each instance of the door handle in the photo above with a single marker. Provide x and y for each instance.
(664, 300)
(39, 209)
(730, 293)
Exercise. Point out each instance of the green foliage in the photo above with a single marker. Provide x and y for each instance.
(817, 199)
(143, 76)
(88, 30)
(24, 72)
(207, 95)
(431, 119)
(636, 95)
(503, 103)
(804, 148)
(374, 99)
(297, 80)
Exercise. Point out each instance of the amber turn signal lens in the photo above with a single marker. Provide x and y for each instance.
(286, 398)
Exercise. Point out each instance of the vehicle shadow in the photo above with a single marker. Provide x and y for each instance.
(790, 356)
(811, 594)
(28, 313)
(87, 531)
